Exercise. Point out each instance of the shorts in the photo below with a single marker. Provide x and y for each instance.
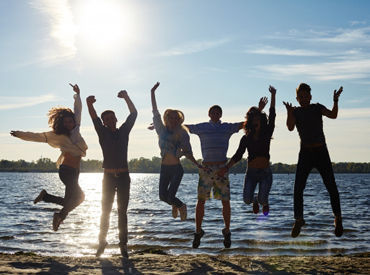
(210, 180)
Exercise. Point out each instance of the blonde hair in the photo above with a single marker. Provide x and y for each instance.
(180, 115)
(56, 116)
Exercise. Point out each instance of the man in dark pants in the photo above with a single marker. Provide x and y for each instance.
(113, 142)
(313, 153)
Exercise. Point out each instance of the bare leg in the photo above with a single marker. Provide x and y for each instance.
(199, 214)
(226, 212)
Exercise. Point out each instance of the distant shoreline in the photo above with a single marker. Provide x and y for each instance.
(101, 171)
(153, 165)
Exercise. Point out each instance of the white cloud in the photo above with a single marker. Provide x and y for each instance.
(356, 36)
(8, 102)
(351, 69)
(269, 50)
(62, 29)
(354, 23)
(194, 47)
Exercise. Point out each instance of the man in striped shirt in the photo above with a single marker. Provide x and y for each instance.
(214, 138)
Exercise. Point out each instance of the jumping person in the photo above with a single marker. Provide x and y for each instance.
(174, 142)
(313, 152)
(114, 142)
(65, 136)
(214, 140)
(258, 132)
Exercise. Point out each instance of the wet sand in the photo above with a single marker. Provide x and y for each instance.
(149, 263)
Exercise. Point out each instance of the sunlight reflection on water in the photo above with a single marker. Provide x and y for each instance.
(151, 225)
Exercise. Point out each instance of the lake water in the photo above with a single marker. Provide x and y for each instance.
(27, 227)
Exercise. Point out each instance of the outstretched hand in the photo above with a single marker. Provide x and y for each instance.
(155, 87)
(75, 87)
(272, 90)
(288, 106)
(122, 94)
(337, 94)
(90, 99)
(262, 103)
(151, 127)
(14, 133)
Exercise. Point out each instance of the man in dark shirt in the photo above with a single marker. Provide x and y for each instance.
(313, 152)
(114, 142)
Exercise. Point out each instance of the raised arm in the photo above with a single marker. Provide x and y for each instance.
(290, 121)
(273, 96)
(77, 106)
(333, 113)
(123, 94)
(154, 101)
(90, 100)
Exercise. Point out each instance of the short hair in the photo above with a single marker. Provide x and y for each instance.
(303, 87)
(215, 107)
(107, 112)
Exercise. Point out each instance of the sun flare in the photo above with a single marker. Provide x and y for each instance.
(103, 25)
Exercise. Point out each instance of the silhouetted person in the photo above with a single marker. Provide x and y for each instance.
(214, 140)
(258, 132)
(174, 142)
(65, 136)
(114, 142)
(313, 152)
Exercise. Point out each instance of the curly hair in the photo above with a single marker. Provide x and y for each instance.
(56, 116)
(248, 125)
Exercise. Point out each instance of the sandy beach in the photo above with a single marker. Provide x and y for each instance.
(150, 263)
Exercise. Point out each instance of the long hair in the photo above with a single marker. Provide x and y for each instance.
(171, 111)
(56, 116)
(248, 125)
(179, 130)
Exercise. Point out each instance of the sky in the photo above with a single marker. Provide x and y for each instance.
(202, 52)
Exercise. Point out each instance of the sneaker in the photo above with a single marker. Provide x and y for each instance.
(183, 212)
(57, 220)
(227, 238)
(338, 226)
(297, 227)
(266, 209)
(40, 197)
(101, 248)
(124, 252)
(256, 207)
(197, 237)
(175, 211)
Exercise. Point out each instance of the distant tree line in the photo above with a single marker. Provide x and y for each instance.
(144, 165)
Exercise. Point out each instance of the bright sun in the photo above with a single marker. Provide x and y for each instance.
(103, 25)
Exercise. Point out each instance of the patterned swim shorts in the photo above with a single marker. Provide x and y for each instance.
(210, 180)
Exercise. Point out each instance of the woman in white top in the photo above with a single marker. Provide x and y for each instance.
(65, 136)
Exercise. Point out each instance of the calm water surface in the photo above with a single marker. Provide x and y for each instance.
(27, 227)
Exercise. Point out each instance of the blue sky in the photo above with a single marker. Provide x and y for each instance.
(202, 52)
